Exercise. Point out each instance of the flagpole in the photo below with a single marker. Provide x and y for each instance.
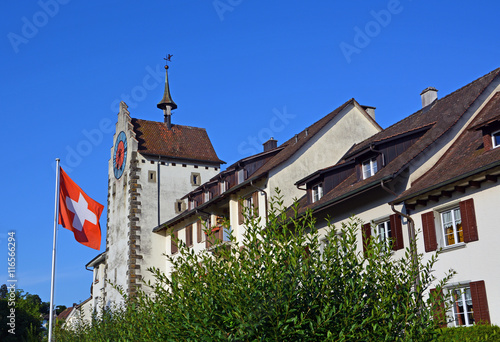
(52, 281)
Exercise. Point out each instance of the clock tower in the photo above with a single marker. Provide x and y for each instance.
(152, 166)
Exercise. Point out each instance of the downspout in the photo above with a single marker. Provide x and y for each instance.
(265, 196)
(411, 234)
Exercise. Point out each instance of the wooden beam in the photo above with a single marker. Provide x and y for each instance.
(491, 178)
(422, 202)
(460, 189)
(410, 206)
(475, 184)
(445, 193)
(434, 198)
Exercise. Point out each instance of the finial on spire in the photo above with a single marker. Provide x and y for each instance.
(167, 104)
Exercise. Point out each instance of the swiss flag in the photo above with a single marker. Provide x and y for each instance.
(79, 213)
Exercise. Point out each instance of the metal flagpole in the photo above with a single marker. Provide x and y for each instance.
(56, 215)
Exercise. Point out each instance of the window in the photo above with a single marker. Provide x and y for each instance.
(251, 203)
(369, 168)
(192, 204)
(455, 225)
(195, 178)
(180, 206)
(317, 192)
(152, 176)
(96, 272)
(223, 186)
(463, 313)
(241, 176)
(389, 231)
(382, 233)
(452, 227)
(496, 139)
(207, 196)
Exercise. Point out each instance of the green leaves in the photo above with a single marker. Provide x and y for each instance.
(276, 285)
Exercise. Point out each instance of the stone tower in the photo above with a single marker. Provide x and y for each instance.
(153, 164)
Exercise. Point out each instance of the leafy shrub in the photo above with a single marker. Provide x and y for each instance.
(277, 285)
(470, 334)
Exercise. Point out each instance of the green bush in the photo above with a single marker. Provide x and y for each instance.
(276, 285)
(470, 334)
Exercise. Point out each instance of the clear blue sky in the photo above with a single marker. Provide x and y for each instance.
(236, 65)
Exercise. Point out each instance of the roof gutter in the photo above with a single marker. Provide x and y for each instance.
(351, 194)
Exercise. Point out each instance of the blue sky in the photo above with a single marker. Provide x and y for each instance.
(237, 64)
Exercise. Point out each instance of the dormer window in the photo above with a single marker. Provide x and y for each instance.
(222, 186)
(316, 192)
(495, 139)
(207, 196)
(369, 168)
(241, 176)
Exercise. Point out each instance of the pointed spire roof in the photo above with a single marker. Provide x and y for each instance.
(167, 98)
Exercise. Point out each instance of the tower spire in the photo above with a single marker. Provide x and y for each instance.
(167, 104)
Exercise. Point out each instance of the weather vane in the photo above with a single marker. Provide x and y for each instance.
(167, 58)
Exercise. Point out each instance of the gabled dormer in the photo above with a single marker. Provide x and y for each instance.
(488, 122)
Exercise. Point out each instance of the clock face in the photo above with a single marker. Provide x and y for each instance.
(120, 155)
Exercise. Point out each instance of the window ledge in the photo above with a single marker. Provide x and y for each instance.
(453, 247)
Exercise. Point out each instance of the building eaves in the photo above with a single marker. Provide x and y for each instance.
(205, 205)
(440, 117)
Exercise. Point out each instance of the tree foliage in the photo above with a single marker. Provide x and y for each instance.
(279, 284)
(25, 322)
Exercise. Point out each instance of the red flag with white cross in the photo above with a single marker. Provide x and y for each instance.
(79, 213)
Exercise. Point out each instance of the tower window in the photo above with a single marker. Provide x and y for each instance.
(180, 206)
(152, 176)
(195, 178)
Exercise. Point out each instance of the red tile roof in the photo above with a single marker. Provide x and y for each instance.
(465, 156)
(286, 151)
(65, 313)
(180, 142)
(439, 116)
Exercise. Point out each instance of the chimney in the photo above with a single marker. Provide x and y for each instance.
(370, 110)
(428, 96)
(270, 144)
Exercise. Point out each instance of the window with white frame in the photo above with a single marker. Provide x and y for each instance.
(382, 233)
(451, 223)
(369, 167)
(207, 196)
(496, 139)
(463, 314)
(241, 176)
(222, 186)
(317, 192)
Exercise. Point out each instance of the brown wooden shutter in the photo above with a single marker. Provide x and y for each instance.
(173, 244)
(438, 308)
(397, 232)
(367, 233)
(189, 235)
(255, 201)
(479, 302)
(429, 230)
(240, 211)
(469, 225)
(199, 231)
